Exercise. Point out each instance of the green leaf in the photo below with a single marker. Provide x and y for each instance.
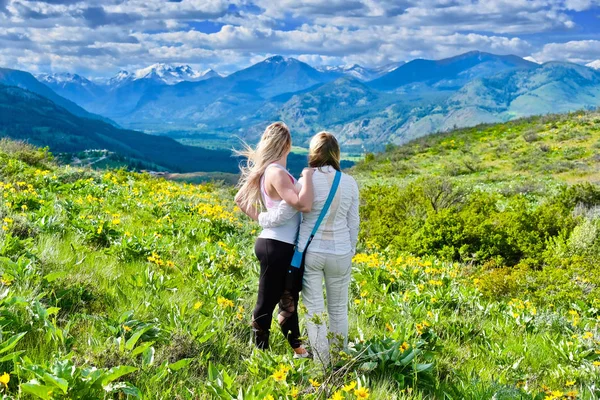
(11, 342)
(423, 367)
(11, 356)
(206, 336)
(135, 337)
(141, 348)
(184, 362)
(131, 390)
(368, 366)
(56, 381)
(117, 372)
(213, 372)
(406, 360)
(36, 389)
(52, 310)
(54, 276)
(148, 357)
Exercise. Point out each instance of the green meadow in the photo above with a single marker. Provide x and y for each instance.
(476, 277)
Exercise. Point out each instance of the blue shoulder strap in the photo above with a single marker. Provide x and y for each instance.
(334, 186)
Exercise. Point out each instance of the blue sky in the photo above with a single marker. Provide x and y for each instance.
(100, 37)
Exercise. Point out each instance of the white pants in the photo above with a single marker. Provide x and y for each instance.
(336, 271)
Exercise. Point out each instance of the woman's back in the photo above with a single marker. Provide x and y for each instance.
(338, 231)
(287, 231)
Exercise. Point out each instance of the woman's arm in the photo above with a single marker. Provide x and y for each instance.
(353, 217)
(277, 216)
(301, 201)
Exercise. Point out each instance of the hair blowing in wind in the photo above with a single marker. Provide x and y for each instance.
(274, 143)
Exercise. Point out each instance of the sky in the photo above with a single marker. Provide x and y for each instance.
(97, 38)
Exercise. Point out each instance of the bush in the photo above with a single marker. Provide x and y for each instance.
(432, 216)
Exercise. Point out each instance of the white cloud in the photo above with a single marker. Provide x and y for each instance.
(581, 51)
(107, 35)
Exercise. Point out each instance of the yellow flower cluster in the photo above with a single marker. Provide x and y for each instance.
(225, 303)
(156, 259)
(422, 326)
(281, 373)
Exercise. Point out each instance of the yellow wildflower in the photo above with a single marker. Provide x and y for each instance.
(197, 305)
(362, 393)
(223, 302)
(279, 375)
(294, 392)
(347, 388)
(4, 379)
(569, 383)
(314, 383)
(126, 328)
(588, 335)
(337, 396)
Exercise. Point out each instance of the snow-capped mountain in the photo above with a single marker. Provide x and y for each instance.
(359, 72)
(73, 87)
(119, 78)
(63, 78)
(163, 73)
(594, 64)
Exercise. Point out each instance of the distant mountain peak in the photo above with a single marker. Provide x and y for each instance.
(61, 78)
(276, 59)
(169, 74)
(594, 64)
(281, 60)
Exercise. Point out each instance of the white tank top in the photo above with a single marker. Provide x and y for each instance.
(288, 231)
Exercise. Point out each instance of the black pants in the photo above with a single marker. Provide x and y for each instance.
(275, 258)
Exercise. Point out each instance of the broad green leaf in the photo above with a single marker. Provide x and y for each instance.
(11, 342)
(11, 356)
(131, 390)
(56, 381)
(52, 310)
(368, 366)
(54, 276)
(423, 367)
(117, 372)
(184, 362)
(141, 348)
(213, 372)
(148, 357)
(135, 337)
(34, 388)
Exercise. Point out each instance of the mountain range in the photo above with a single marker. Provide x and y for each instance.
(366, 107)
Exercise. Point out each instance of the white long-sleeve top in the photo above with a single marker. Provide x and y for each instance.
(338, 232)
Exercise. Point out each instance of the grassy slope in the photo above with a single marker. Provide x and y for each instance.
(565, 148)
(119, 254)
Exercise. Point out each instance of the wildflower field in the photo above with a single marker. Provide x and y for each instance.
(120, 285)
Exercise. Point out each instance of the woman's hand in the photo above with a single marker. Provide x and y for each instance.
(280, 180)
(307, 172)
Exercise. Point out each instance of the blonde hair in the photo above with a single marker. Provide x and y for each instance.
(324, 150)
(274, 143)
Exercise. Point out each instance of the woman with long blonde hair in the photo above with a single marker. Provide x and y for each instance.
(266, 181)
(329, 256)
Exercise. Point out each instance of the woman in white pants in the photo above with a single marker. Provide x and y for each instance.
(329, 256)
